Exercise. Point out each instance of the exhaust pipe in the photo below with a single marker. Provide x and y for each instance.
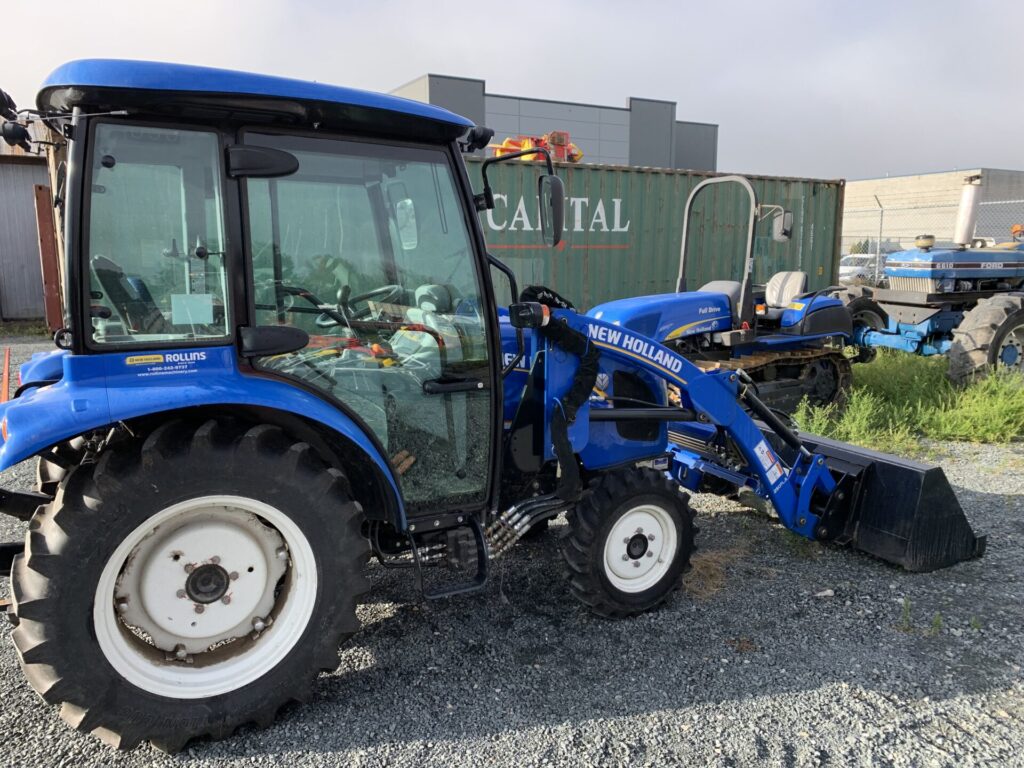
(895, 509)
(967, 213)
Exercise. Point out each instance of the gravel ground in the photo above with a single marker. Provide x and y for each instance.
(777, 652)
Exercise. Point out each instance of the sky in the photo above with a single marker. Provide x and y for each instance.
(826, 88)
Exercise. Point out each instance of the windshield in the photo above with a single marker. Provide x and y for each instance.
(155, 236)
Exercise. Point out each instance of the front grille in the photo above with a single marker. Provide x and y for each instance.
(918, 284)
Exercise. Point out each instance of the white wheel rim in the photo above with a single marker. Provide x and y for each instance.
(144, 578)
(1011, 350)
(640, 549)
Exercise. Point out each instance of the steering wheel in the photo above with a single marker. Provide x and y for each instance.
(347, 306)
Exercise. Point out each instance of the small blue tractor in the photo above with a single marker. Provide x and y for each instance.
(282, 354)
(966, 302)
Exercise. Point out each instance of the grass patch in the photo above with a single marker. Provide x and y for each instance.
(12, 328)
(900, 398)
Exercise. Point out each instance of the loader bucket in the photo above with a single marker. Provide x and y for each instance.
(898, 510)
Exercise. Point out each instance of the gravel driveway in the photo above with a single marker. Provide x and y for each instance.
(777, 652)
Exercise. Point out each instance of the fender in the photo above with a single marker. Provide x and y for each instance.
(97, 390)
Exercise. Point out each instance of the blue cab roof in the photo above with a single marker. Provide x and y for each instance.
(184, 78)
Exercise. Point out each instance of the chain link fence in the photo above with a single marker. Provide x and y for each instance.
(881, 229)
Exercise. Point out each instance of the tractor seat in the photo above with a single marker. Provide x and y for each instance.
(730, 288)
(782, 288)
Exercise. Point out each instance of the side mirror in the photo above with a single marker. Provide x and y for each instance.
(551, 192)
(16, 135)
(782, 226)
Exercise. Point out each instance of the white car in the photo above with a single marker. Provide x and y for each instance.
(859, 269)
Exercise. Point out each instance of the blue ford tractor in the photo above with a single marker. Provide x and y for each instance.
(282, 354)
(966, 302)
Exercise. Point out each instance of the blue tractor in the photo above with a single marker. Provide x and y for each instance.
(282, 354)
(964, 301)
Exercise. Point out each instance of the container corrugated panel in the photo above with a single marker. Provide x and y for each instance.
(21, 282)
(623, 229)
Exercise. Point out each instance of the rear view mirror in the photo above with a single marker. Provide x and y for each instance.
(782, 226)
(551, 192)
(405, 220)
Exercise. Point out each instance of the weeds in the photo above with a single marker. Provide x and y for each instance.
(906, 622)
(900, 398)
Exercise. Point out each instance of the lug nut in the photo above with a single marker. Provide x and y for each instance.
(258, 624)
(636, 563)
(650, 554)
(650, 537)
(122, 605)
(180, 653)
(215, 560)
(233, 575)
(625, 558)
(181, 593)
(226, 599)
(189, 567)
(200, 609)
(639, 530)
(626, 540)
(282, 552)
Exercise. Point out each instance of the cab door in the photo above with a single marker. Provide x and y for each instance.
(367, 248)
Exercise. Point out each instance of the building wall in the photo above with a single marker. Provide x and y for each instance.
(645, 133)
(927, 204)
(601, 132)
(21, 282)
(652, 133)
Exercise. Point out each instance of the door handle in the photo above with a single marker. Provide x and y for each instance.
(444, 386)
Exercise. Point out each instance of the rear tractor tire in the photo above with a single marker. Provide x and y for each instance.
(991, 336)
(865, 312)
(628, 543)
(188, 583)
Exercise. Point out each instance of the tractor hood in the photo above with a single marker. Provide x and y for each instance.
(940, 263)
(669, 315)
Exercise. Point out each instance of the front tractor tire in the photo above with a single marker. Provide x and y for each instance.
(628, 542)
(991, 336)
(187, 583)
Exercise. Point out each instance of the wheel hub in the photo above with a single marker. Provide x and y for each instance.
(1011, 352)
(207, 583)
(637, 546)
(201, 578)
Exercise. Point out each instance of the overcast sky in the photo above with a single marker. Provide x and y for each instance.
(798, 87)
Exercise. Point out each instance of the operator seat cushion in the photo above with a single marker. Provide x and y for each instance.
(435, 298)
(782, 288)
(730, 288)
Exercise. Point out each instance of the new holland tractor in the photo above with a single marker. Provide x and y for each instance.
(282, 354)
(966, 302)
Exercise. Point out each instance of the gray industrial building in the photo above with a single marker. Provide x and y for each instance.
(21, 282)
(644, 133)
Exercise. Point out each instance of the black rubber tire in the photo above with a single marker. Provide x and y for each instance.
(55, 463)
(98, 504)
(977, 340)
(865, 311)
(592, 520)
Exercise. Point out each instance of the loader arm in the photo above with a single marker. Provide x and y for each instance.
(714, 397)
(899, 511)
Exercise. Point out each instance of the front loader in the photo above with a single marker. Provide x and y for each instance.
(282, 354)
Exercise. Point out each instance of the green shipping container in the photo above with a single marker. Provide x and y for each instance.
(623, 228)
